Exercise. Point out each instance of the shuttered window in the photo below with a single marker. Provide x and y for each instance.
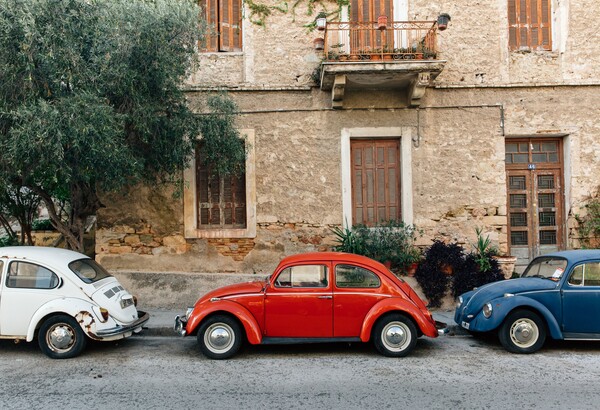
(224, 18)
(221, 199)
(375, 181)
(530, 24)
(367, 11)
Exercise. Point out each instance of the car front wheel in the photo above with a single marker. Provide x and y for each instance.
(394, 335)
(523, 331)
(220, 337)
(61, 337)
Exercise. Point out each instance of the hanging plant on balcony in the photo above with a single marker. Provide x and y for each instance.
(319, 43)
(382, 22)
(321, 21)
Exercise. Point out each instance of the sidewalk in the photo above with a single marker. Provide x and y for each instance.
(162, 320)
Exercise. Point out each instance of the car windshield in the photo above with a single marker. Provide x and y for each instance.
(546, 268)
(88, 270)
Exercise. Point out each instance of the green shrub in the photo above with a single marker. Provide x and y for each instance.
(391, 241)
(42, 225)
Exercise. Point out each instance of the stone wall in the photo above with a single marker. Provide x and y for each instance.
(484, 94)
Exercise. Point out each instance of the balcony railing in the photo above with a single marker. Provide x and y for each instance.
(399, 40)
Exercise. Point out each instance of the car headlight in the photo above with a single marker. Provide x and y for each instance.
(487, 310)
(188, 312)
(460, 301)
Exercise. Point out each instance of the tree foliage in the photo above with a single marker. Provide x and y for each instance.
(91, 98)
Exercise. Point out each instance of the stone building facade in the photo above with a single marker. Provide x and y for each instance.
(496, 131)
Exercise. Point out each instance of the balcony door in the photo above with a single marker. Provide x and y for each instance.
(534, 170)
(365, 35)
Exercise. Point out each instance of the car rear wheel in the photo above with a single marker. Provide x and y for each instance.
(220, 337)
(61, 337)
(394, 335)
(523, 331)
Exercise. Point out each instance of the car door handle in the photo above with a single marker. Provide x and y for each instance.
(325, 297)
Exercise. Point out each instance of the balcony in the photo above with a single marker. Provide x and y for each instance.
(400, 56)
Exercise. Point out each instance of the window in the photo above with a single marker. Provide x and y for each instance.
(375, 181)
(224, 18)
(304, 276)
(529, 24)
(205, 214)
(587, 274)
(347, 276)
(221, 199)
(88, 270)
(29, 275)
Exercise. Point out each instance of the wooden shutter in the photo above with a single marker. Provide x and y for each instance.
(221, 200)
(367, 11)
(529, 24)
(230, 20)
(375, 181)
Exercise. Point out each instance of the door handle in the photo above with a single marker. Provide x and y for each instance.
(325, 297)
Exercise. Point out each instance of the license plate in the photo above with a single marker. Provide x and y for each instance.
(465, 325)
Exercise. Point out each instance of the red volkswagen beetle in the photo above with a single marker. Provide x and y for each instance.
(312, 297)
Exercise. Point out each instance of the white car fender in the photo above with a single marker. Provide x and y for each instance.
(81, 310)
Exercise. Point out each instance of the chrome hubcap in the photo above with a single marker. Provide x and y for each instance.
(219, 337)
(396, 336)
(60, 338)
(524, 333)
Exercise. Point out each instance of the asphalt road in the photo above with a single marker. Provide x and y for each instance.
(153, 372)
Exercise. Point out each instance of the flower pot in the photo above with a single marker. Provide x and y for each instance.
(381, 22)
(412, 269)
(442, 21)
(321, 23)
(319, 43)
(506, 265)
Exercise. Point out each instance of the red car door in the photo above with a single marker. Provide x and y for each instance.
(299, 301)
(357, 290)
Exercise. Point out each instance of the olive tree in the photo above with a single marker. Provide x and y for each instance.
(91, 99)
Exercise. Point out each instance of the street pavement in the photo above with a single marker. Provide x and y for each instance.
(162, 320)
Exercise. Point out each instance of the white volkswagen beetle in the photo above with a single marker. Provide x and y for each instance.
(62, 297)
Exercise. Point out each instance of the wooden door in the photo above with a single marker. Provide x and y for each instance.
(535, 198)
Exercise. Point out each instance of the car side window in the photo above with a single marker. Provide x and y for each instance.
(348, 276)
(586, 274)
(302, 276)
(30, 276)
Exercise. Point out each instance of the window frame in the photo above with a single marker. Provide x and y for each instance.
(314, 285)
(54, 278)
(346, 265)
(216, 40)
(405, 136)
(190, 199)
(537, 20)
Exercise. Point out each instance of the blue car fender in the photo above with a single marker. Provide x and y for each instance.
(501, 308)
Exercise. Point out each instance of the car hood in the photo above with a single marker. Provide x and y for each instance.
(515, 286)
(237, 289)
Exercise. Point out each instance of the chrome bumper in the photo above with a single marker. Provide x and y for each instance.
(179, 326)
(134, 327)
(442, 328)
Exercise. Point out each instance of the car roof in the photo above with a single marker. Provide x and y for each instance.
(577, 255)
(327, 256)
(41, 253)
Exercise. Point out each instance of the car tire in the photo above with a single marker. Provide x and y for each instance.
(394, 335)
(523, 331)
(220, 337)
(61, 337)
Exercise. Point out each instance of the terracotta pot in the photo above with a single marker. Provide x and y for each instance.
(319, 43)
(382, 22)
(411, 270)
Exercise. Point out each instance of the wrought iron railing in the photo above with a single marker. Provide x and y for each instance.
(399, 40)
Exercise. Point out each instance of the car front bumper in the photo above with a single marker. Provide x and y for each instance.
(179, 327)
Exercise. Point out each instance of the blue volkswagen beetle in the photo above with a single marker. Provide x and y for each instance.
(558, 295)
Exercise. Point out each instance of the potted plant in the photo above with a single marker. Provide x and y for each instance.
(382, 22)
(321, 21)
(319, 43)
(442, 21)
